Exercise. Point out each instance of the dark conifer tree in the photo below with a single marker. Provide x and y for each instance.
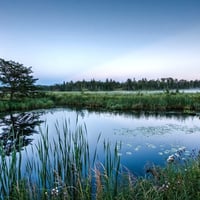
(16, 79)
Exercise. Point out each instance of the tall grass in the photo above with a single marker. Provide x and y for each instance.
(25, 104)
(64, 168)
(163, 102)
(186, 103)
(58, 167)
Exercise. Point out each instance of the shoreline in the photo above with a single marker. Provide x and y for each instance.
(184, 103)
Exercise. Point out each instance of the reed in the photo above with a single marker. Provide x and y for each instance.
(25, 104)
(62, 167)
(162, 102)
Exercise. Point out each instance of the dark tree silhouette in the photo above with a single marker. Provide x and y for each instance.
(16, 130)
(16, 79)
(129, 84)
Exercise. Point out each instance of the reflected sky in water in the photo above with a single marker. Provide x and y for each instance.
(141, 139)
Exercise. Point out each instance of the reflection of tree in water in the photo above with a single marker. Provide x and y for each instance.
(16, 129)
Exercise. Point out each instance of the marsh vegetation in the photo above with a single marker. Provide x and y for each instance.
(138, 102)
(61, 163)
(71, 173)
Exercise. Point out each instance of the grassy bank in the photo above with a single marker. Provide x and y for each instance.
(63, 168)
(187, 103)
(26, 104)
(162, 102)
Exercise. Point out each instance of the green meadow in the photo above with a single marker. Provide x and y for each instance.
(110, 101)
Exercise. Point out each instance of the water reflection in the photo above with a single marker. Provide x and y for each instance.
(16, 129)
(143, 137)
(134, 114)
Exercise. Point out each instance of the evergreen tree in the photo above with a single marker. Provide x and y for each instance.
(16, 79)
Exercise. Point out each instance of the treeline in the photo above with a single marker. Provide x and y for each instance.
(129, 84)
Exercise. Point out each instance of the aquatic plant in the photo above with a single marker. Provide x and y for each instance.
(62, 167)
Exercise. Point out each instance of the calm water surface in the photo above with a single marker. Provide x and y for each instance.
(142, 139)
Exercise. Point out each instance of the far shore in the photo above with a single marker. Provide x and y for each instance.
(145, 101)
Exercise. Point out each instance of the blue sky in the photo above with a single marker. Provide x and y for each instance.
(67, 40)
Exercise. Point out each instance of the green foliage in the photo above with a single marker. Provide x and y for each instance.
(179, 102)
(26, 104)
(16, 79)
(186, 103)
(164, 84)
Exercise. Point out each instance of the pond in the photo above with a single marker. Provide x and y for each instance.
(141, 140)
